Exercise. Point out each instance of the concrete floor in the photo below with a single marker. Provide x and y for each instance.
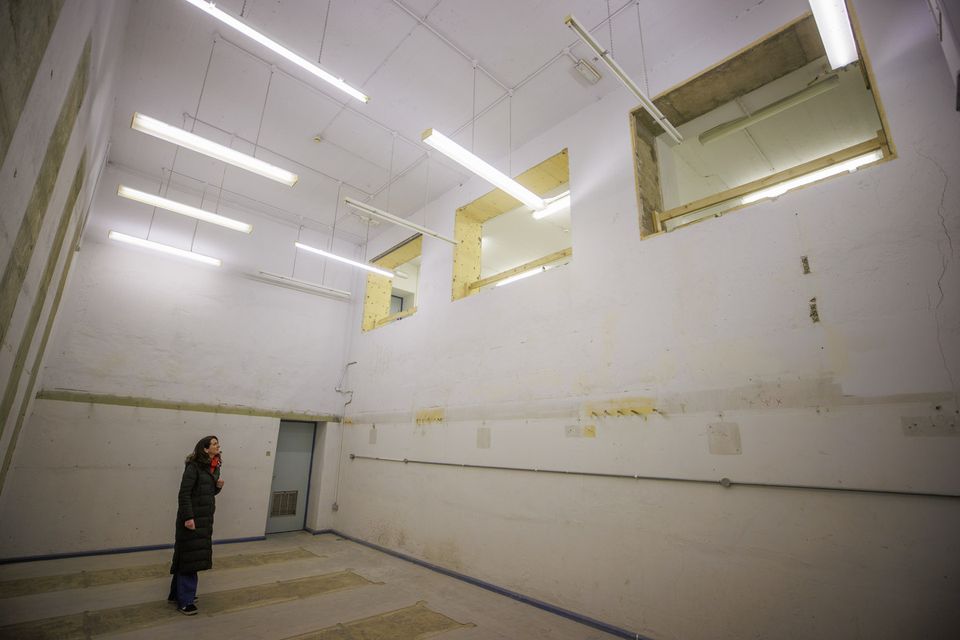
(394, 584)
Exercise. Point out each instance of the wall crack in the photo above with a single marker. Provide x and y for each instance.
(944, 263)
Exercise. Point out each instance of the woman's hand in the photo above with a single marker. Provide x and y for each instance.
(189, 524)
(219, 484)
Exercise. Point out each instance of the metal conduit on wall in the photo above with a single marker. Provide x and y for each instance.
(723, 482)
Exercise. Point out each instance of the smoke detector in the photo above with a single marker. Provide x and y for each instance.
(586, 72)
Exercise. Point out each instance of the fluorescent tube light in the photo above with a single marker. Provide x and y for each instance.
(389, 217)
(850, 165)
(163, 248)
(521, 276)
(584, 34)
(555, 206)
(458, 154)
(711, 211)
(833, 23)
(183, 209)
(770, 110)
(253, 34)
(191, 141)
(333, 256)
(301, 285)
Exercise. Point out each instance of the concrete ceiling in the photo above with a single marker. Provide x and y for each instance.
(412, 57)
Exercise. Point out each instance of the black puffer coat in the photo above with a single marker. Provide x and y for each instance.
(193, 550)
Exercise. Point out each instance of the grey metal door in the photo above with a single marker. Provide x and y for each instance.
(291, 476)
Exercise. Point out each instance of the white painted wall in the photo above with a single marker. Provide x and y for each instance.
(711, 323)
(103, 22)
(139, 323)
(93, 476)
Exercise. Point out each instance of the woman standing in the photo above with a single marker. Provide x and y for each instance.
(193, 550)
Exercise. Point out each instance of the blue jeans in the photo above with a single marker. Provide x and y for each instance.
(183, 588)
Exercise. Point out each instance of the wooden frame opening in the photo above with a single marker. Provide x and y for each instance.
(404, 260)
(784, 76)
(546, 179)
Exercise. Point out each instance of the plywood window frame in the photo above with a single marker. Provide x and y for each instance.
(675, 103)
(376, 300)
(470, 218)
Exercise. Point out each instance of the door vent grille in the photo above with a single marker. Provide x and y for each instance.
(284, 503)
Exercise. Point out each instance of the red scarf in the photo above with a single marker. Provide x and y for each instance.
(214, 463)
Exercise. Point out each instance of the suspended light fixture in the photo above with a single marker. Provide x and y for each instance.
(458, 154)
(253, 34)
(191, 141)
(301, 285)
(333, 256)
(850, 165)
(389, 217)
(521, 276)
(833, 23)
(163, 248)
(183, 209)
(584, 34)
(775, 191)
(555, 205)
(770, 110)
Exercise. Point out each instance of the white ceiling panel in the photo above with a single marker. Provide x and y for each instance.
(513, 39)
(231, 90)
(422, 82)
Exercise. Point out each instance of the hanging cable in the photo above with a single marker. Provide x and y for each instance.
(323, 34)
(426, 191)
(643, 53)
(176, 148)
(473, 119)
(393, 148)
(333, 232)
(153, 215)
(293, 270)
(610, 26)
(366, 241)
(510, 133)
(196, 224)
(263, 111)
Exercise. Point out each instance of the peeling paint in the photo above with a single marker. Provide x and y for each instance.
(620, 408)
(433, 414)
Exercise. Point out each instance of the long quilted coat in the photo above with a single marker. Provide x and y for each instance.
(193, 550)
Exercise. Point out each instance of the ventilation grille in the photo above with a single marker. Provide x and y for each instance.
(284, 503)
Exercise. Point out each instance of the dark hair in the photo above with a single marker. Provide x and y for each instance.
(199, 455)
